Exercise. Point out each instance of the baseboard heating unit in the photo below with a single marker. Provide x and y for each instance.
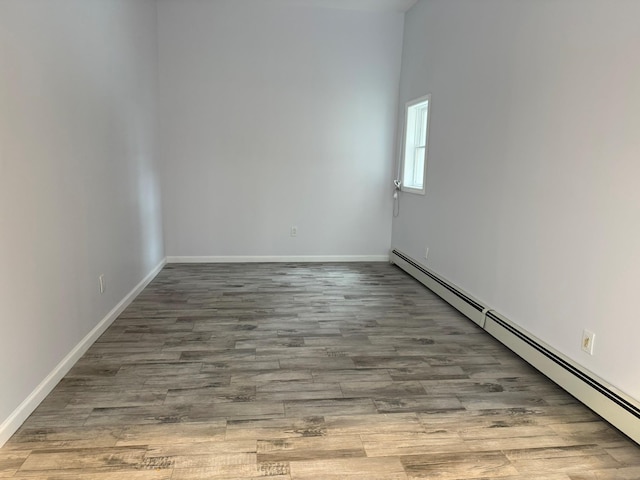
(614, 406)
(462, 301)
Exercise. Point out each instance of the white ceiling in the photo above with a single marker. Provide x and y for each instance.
(370, 5)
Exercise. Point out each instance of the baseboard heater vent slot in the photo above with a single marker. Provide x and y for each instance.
(614, 406)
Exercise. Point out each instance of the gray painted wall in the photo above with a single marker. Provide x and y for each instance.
(272, 116)
(532, 200)
(79, 189)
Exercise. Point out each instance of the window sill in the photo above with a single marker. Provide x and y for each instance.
(416, 191)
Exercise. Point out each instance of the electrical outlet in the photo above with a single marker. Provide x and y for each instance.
(103, 285)
(426, 253)
(294, 231)
(588, 338)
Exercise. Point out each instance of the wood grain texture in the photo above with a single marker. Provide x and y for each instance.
(306, 371)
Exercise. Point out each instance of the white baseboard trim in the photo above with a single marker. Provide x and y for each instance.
(615, 406)
(26, 408)
(277, 258)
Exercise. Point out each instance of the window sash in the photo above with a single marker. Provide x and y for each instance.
(415, 144)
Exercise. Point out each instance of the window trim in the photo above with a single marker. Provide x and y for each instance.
(407, 106)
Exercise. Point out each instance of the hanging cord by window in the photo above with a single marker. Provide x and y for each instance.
(396, 197)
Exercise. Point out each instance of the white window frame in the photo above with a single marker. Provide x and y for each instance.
(411, 149)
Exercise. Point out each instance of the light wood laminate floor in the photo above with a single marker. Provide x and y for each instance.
(307, 371)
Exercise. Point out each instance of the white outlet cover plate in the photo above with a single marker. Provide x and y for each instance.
(588, 339)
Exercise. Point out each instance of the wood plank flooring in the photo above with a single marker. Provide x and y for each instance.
(307, 371)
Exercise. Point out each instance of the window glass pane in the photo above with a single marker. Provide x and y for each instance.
(418, 167)
(415, 144)
(422, 132)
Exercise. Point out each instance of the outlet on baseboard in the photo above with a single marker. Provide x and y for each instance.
(587, 341)
(426, 253)
(294, 231)
(103, 284)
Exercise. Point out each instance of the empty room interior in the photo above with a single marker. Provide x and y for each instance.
(319, 239)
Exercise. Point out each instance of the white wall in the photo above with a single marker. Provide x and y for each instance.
(533, 200)
(272, 116)
(79, 193)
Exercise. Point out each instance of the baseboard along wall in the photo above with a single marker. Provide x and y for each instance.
(617, 408)
(277, 258)
(22, 412)
(26, 408)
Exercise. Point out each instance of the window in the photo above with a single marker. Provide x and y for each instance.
(416, 139)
